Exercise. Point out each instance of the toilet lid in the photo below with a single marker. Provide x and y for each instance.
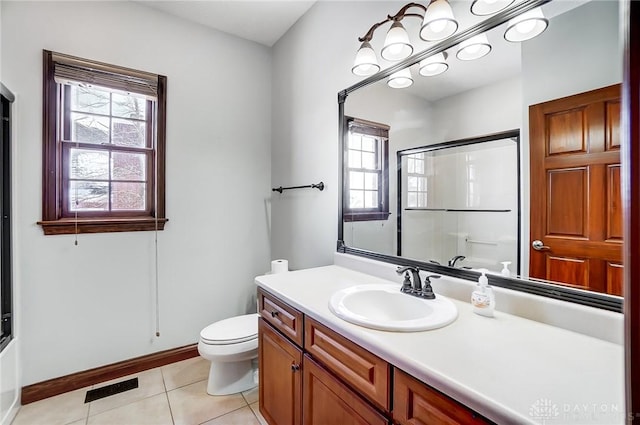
(233, 330)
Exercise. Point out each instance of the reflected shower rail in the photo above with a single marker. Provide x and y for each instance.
(319, 186)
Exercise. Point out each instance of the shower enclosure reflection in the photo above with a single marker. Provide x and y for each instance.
(461, 199)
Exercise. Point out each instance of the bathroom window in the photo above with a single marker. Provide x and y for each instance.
(104, 145)
(416, 181)
(367, 179)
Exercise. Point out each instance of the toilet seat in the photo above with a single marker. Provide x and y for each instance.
(234, 330)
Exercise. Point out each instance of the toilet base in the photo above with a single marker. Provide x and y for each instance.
(230, 378)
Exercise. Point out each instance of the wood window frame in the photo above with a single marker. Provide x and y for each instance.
(54, 220)
(380, 131)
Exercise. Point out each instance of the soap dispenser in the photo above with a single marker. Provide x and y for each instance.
(505, 268)
(482, 298)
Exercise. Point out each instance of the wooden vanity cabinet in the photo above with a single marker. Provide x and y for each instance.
(416, 403)
(328, 401)
(311, 375)
(280, 389)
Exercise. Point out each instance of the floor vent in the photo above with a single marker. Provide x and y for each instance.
(109, 390)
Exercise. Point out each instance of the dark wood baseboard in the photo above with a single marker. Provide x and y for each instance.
(78, 380)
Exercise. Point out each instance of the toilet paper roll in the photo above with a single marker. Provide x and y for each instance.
(279, 266)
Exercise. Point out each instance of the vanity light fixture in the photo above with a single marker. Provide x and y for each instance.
(439, 22)
(434, 65)
(474, 48)
(400, 79)
(526, 26)
(489, 7)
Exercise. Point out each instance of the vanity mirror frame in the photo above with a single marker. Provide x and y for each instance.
(531, 286)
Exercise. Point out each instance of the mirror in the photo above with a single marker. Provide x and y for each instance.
(578, 53)
(459, 205)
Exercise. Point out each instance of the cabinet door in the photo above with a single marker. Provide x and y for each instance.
(416, 404)
(365, 372)
(280, 377)
(328, 401)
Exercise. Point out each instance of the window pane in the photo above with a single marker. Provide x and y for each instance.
(419, 169)
(422, 184)
(355, 141)
(371, 181)
(129, 133)
(129, 166)
(89, 128)
(412, 201)
(368, 144)
(88, 196)
(356, 180)
(369, 160)
(412, 183)
(129, 106)
(411, 165)
(88, 164)
(89, 99)
(356, 199)
(371, 199)
(128, 196)
(422, 199)
(355, 159)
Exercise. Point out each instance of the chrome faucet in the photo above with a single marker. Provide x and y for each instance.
(414, 286)
(455, 259)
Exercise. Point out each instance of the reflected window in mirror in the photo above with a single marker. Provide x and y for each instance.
(416, 181)
(367, 176)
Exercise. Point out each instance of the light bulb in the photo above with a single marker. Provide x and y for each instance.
(366, 62)
(526, 26)
(474, 48)
(396, 45)
(434, 65)
(489, 7)
(439, 22)
(400, 79)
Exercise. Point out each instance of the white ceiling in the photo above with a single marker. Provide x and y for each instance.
(262, 21)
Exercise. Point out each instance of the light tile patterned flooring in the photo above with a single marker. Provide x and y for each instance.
(174, 394)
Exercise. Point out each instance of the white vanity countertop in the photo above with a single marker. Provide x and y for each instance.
(509, 369)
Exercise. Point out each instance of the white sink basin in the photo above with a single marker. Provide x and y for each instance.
(385, 308)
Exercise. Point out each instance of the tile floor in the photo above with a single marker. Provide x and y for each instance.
(174, 394)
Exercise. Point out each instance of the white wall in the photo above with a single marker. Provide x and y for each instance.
(478, 112)
(311, 64)
(93, 304)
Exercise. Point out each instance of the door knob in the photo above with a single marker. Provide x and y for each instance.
(539, 246)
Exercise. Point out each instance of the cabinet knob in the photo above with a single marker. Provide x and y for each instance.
(274, 313)
(295, 367)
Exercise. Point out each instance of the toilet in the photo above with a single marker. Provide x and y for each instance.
(231, 345)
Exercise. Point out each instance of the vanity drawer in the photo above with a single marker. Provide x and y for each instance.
(286, 319)
(416, 403)
(363, 371)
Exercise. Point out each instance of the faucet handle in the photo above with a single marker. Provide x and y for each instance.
(406, 283)
(427, 290)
